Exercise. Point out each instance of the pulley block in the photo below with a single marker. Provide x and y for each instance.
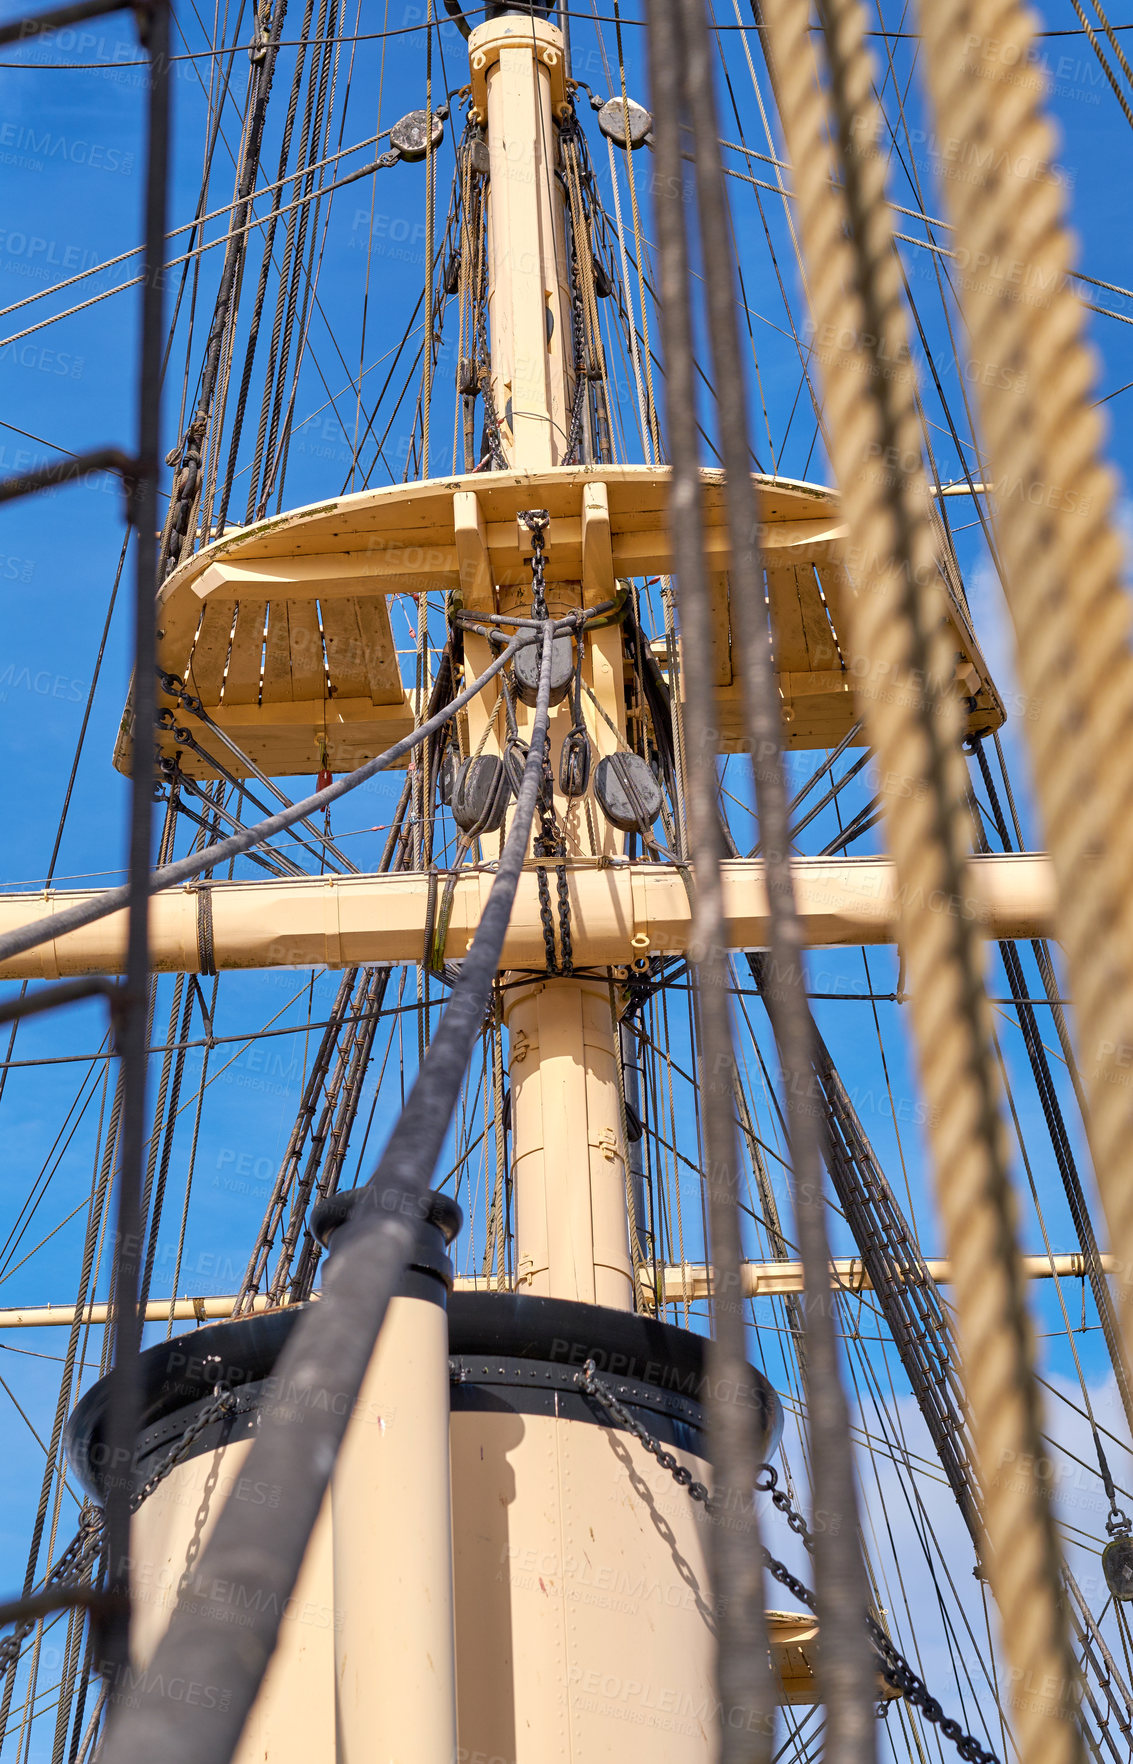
(1117, 1566)
(526, 670)
(480, 794)
(628, 794)
(612, 122)
(411, 135)
(468, 377)
(574, 763)
(515, 763)
(447, 781)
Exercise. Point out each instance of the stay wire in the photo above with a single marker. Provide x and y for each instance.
(326, 1357)
(112, 900)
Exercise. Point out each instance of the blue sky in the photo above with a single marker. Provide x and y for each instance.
(71, 151)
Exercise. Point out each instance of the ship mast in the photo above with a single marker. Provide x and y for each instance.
(572, 1237)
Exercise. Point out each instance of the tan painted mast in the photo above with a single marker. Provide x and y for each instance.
(568, 1150)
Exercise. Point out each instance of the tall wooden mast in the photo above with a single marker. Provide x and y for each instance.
(568, 1145)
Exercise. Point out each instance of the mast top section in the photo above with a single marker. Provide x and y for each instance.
(517, 31)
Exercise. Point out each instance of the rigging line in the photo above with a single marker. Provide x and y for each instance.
(912, 172)
(321, 837)
(430, 225)
(410, 332)
(331, 1349)
(894, 1435)
(654, 429)
(183, 869)
(369, 170)
(43, 1182)
(736, 255)
(31, 1429)
(331, 330)
(407, 30)
(208, 54)
(972, 1179)
(196, 452)
(1100, 53)
(266, 262)
(653, 360)
(101, 1172)
(311, 275)
(910, 239)
(379, 450)
(215, 131)
(1069, 1334)
(316, 71)
(804, 356)
(369, 263)
(191, 227)
(76, 757)
(1060, 1142)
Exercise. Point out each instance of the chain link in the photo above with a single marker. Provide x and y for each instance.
(593, 1386)
(567, 963)
(69, 1570)
(894, 1668)
(536, 520)
(549, 842)
(80, 1553)
(547, 919)
(496, 455)
(222, 1404)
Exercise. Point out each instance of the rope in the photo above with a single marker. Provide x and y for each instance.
(1103, 63)
(113, 899)
(653, 430)
(1060, 551)
(631, 321)
(742, 1682)
(841, 1582)
(271, 221)
(898, 624)
(292, 273)
(323, 1366)
(430, 227)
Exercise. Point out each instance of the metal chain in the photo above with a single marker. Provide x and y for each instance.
(223, 1404)
(567, 963)
(578, 317)
(547, 920)
(536, 520)
(68, 1570)
(895, 1669)
(87, 1541)
(549, 840)
(593, 1386)
(483, 358)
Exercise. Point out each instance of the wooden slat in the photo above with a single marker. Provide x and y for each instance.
(379, 657)
(277, 687)
(308, 669)
(242, 682)
(721, 646)
(345, 658)
(284, 739)
(838, 588)
(822, 652)
(787, 620)
(210, 652)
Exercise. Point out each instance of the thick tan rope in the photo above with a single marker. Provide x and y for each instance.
(1060, 551)
(900, 638)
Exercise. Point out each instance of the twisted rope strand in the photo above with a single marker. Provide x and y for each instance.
(900, 635)
(1061, 554)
